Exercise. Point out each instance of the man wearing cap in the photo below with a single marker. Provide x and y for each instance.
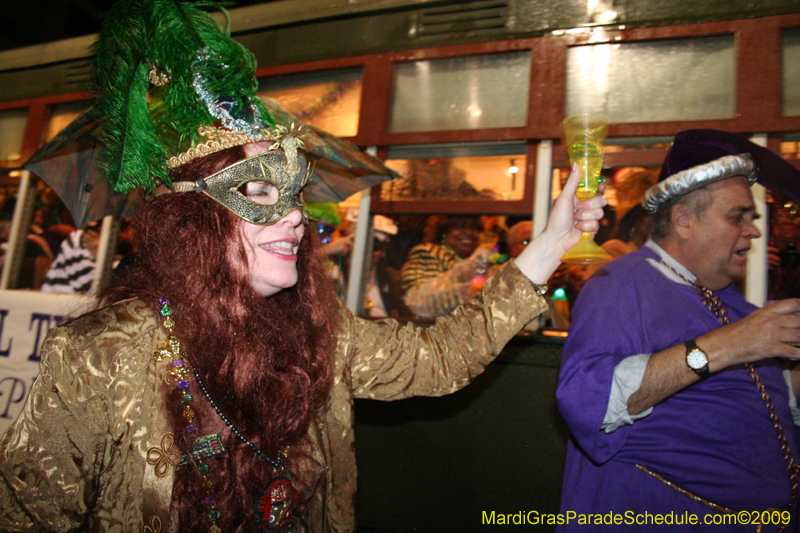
(518, 237)
(673, 385)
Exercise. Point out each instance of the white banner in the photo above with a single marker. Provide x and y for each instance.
(25, 317)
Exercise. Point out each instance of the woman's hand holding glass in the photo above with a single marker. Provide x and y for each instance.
(568, 219)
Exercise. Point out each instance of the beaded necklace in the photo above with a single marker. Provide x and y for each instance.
(276, 463)
(714, 303)
(275, 511)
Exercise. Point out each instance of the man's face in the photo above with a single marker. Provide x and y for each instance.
(719, 239)
(518, 238)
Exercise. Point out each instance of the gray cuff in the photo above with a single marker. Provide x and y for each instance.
(628, 376)
(787, 376)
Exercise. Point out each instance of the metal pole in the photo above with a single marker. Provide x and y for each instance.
(755, 285)
(104, 262)
(544, 180)
(361, 258)
(20, 224)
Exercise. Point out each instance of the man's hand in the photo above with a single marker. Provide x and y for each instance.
(342, 245)
(773, 331)
(773, 258)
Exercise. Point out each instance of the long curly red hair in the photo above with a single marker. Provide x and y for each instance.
(265, 361)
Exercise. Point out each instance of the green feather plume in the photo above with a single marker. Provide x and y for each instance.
(324, 211)
(143, 124)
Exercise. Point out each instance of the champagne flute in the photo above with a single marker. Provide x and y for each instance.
(585, 136)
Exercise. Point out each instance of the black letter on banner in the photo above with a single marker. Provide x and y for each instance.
(16, 384)
(40, 320)
(3, 314)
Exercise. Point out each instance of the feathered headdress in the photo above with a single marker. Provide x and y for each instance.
(172, 85)
(169, 81)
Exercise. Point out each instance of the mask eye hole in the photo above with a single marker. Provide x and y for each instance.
(260, 192)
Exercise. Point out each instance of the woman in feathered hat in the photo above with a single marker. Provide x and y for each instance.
(213, 389)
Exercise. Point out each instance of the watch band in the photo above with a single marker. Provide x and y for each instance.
(540, 289)
(703, 371)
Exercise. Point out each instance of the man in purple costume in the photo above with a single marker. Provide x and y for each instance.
(670, 430)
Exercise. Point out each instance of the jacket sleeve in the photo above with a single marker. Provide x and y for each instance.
(51, 456)
(389, 361)
(608, 327)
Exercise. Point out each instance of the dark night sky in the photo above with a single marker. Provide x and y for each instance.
(29, 22)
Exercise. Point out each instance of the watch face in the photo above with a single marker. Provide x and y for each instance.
(696, 359)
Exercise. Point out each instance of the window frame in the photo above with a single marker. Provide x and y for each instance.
(758, 102)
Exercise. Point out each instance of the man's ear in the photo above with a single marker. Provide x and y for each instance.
(682, 220)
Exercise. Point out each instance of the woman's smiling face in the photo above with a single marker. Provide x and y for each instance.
(272, 253)
(271, 249)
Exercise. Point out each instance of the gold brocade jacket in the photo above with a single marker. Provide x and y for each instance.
(76, 459)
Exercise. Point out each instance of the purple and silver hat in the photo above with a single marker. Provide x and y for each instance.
(700, 157)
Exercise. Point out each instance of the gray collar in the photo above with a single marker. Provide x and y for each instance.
(672, 262)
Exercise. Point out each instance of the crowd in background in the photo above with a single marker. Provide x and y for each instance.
(422, 266)
(58, 256)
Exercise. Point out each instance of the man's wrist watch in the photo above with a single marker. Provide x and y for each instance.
(697, 359)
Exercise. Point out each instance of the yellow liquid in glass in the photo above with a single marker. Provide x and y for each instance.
(589, 157)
